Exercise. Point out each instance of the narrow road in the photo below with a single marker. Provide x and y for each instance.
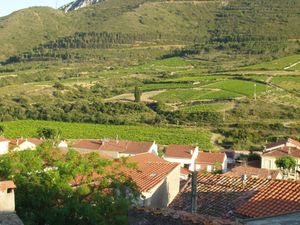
(291, 66)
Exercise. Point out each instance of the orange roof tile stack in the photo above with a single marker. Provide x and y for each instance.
(280, 197)
(179, 151)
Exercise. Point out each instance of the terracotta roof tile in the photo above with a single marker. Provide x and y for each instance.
(87, 144)
(218, 195)
(4, 185)
(20, 141)
(179, 151)
(210, 158)
(184, 171)
(280, 197)
(283, 142)
(151, 170)
(295, 152)
(130, 147)
(252, 172)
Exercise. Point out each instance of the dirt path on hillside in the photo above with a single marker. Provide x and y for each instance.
(129, 97)
(291, 66)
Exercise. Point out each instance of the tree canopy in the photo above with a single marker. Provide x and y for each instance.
(69, 188)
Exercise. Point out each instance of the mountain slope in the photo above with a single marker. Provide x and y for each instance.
(222, 20)
(26, 28)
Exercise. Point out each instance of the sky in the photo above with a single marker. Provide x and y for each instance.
(9, 6)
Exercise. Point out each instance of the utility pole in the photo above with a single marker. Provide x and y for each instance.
(194, 191)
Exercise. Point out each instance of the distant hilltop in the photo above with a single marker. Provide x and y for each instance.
(74, 5)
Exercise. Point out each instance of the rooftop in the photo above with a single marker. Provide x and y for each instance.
(19, 141)
(295, 152)
(284, 142)
(218, 195)
(151, 170)
(87, 144)
(4, 185)
(10, 219)
(280, 197)
(179, 151)
(130, 147)
(210, 158)
(252, 172)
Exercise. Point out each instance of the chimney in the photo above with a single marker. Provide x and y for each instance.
(194, 192)
(244, 180)
(7, 197)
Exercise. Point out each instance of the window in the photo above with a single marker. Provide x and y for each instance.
(186, 166)
(9, 190)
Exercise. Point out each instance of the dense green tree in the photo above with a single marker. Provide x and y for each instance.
(55, 188)
(137, 94)
(286, 164)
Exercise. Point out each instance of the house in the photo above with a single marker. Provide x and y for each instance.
(157, 179)
(116, 148)
(224, 196)
(281, 144)
(208, 161)
(7, 204)
(4, 145)
(21, 144)
(183, 154)
(122, 148)
(254, 172)
(268, 159)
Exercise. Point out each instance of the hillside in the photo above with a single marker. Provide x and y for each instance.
(24, 29)
(218, 20)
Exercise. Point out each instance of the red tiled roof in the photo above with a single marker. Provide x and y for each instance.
(252, 172)
(283, 142)
(179, 151)
(20, 141)
(4, 185)
(210, 158)
(295, 152)
(280, 197)
(87, 144)
(218, 195)
(151, 170)
(184, 171)
(2, 139)
(130, 147)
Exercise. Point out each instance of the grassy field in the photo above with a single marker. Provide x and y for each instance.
(287, 82)
(162, 135)
(239, 87)
(278, 64)
(213, 107)
(186, 95)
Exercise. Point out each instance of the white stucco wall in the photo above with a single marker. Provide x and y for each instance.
(4, 147)
(153, 149)
(7, 201)
(63, 144)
